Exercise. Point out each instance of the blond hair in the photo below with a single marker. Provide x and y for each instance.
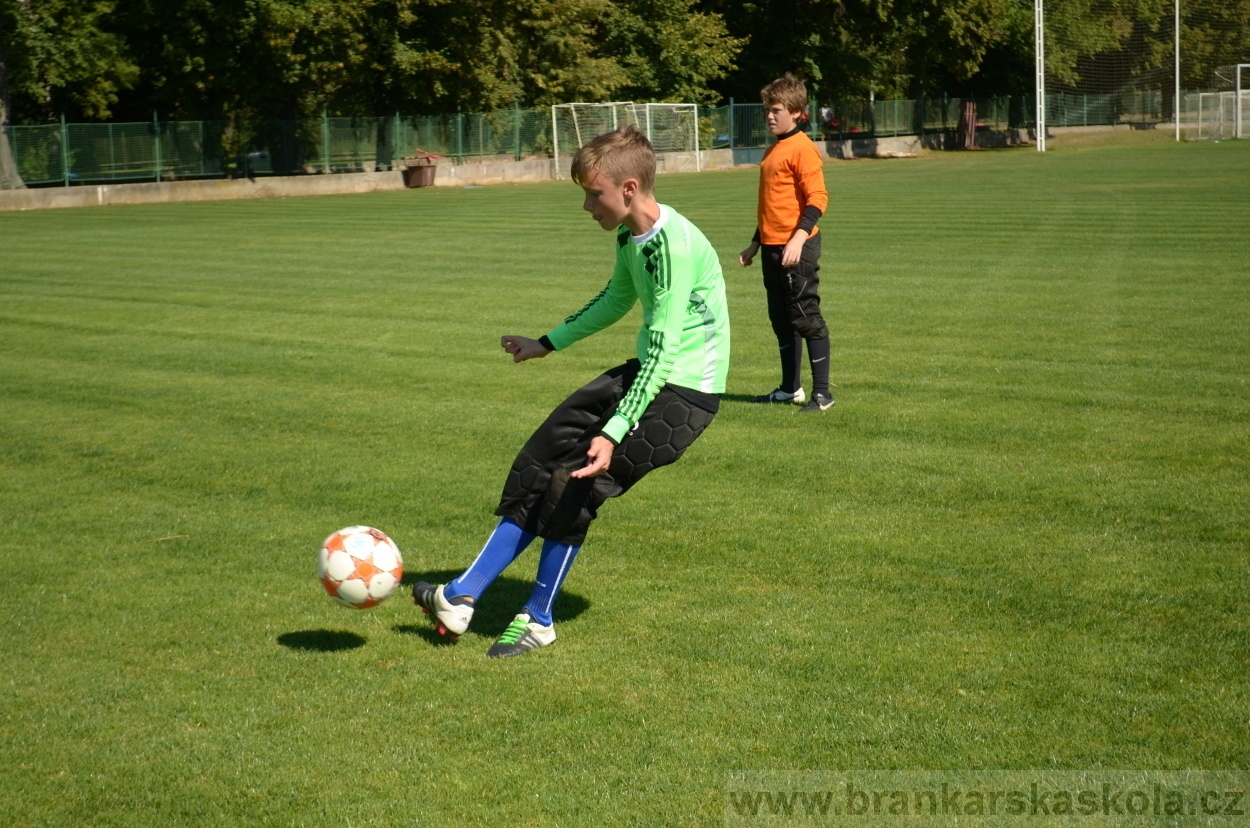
(788, 91)
(620, 154)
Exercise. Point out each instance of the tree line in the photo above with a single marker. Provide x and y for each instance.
(224, 59)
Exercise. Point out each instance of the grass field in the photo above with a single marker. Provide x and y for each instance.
(1020, 540)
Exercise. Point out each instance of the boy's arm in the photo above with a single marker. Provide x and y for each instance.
(611, 303)
(671, 286)
(809, 173)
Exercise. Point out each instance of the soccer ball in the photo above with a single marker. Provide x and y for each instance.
(359, 566)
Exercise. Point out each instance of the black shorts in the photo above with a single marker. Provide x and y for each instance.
(794, 293)
(540, 495)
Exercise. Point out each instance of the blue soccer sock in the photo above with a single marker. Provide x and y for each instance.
(553, 566)
(502, 548)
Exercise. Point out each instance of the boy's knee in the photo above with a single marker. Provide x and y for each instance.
(811, 327)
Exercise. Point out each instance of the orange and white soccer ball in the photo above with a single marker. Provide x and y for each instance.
(360, 566)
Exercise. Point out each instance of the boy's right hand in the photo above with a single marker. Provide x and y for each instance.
(747, 256)
(523, 348)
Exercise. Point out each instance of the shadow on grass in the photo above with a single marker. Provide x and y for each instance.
(324, 641)
(497, 607)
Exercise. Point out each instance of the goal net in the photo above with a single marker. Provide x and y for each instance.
(1108, 62)
(1224, 112)
(670, 127)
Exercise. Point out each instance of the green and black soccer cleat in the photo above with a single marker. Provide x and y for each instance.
(523, 634)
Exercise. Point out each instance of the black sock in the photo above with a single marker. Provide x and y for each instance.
(791, 363)
(818, 353)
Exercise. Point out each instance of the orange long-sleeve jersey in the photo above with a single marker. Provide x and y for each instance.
(792, 177)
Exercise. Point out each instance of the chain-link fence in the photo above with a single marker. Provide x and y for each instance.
(68, 154)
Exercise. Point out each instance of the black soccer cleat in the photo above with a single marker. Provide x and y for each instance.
(819, 402)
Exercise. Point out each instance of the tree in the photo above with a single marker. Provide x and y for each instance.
(61, 57)
(10, 177)
(669, 51)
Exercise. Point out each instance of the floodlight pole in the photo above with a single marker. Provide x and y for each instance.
(1176, 107)
(1040, 49)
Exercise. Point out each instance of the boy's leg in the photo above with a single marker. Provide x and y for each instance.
(667, 428)
(503, 547)
(789, 342)
(533, 627)
(808, 321)
(452, 604)
(553, 568)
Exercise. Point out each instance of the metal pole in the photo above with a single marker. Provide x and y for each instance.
(731, 123)
(156, 128)
(1040, 84)
(698, 159)
(325, 141)
(1176, 107)
(1237, 92)
(555, 144)
(516, 128)
(64, 150)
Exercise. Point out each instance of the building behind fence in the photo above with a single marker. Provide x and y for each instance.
(66, 154)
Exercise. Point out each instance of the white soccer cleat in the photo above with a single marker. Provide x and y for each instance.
(779, 396)
(450, 618)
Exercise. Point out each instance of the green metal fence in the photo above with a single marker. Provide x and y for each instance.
(158, 150)
(1128, 107)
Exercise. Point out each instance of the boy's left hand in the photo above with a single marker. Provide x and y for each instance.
(793, 251)
(599, 457)
(523, 348)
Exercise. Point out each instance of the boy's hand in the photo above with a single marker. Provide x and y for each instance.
(793, 251)
(747, 256)
(523, 348)
(599, 457)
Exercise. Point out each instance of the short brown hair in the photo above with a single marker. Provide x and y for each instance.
(620, 154)
(788, 91)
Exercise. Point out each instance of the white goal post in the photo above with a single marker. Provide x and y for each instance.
(670, 127)
(1222, 114)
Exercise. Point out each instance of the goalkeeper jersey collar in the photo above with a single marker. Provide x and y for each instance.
(655, 228)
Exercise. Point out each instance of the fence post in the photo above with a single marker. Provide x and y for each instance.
(325, 141)
(156, 130)
(396, 158)
(516, 127)
(459, 136)
(731, 123)
(64, 150)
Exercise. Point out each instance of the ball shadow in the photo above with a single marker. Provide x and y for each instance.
(497, 607)
(324, 641)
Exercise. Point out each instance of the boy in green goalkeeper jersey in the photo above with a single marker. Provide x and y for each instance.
(634, 418)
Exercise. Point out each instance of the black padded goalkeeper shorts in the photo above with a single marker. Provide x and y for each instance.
(794, 292)
(540, 495)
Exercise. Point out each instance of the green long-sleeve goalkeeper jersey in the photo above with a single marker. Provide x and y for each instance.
(684, 339)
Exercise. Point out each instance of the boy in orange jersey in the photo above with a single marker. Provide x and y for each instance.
(792, 198)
